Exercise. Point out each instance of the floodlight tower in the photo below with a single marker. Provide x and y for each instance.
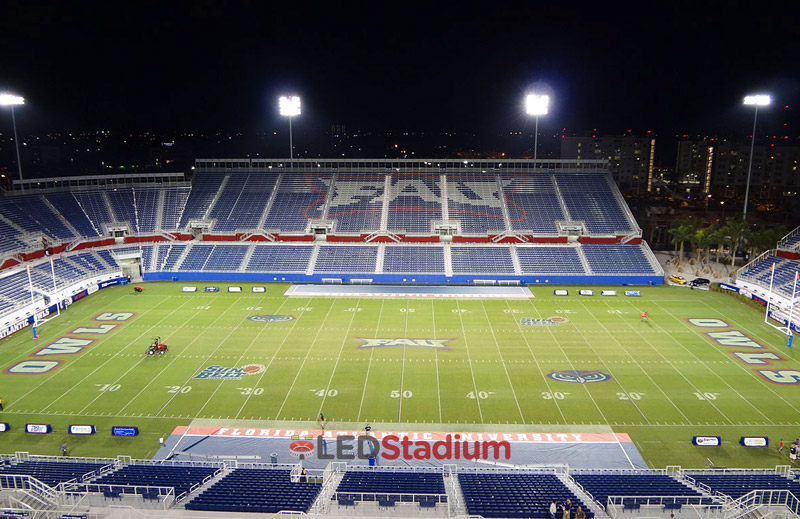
(536, 105)
(289, 106)
(754, 100)
(12, 101)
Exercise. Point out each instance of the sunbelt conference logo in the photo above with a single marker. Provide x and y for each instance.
(222, 373)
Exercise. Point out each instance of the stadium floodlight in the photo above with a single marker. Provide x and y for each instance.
(752, 100)
(289, 106)
(536, 105)
(12, 101)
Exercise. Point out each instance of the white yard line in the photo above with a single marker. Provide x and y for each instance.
(569, 361)
(274, 355)
(469, 361)
(345, 339)
(503, 362)
(538, 366)
(713, 373)
(369, 366)
(436, 361)
(647, 374)
(311, 347)
(143, 357)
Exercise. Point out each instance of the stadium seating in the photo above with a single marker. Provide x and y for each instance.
(737, 484)
(515, 495)
(256, 491)
(590, 199)
(533, 204)
(489, 259)
(617, 259)
(415, 258)
(550, 260)
(391, 486)
(279, 258)
(357, 203)
(52, 473)
(415, 201)
(475, 200)
(181, 478)
(346, 258)
(610, 484)
(299, 199)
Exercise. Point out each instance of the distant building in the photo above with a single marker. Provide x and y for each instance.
(720, 168)
(630, 158)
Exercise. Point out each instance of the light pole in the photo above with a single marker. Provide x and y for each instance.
(12, 101)
(289, 106)
(536, 105)
(754, 100)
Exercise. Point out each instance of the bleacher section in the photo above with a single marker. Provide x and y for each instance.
(602, 485)
(487, 259)
(388, 488)
(52, 473)
(299, 199)
(516, 495)
(357, 203)
(488, 492)
(414, 201)
(508, 226)
(475, 200)
(591, 199)
(257, 491)
(181, 478)
(533, 204)
(760, 272)
(738, 484)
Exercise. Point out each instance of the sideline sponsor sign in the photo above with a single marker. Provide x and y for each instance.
(38, 428)
(258, 290)
(633, 293)
(212, 289)
(234, 289)
(124, 431)
(608, 292)
(754, 441)
(81, 429)
(189, 289)
(4, 427)
(586, 292)
(560, 292)
(707, 441)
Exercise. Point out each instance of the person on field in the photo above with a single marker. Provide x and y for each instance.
(644, 316)
(553, 510)
(64, 449)
(1, 404)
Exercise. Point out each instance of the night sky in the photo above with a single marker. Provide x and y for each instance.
(400, 65)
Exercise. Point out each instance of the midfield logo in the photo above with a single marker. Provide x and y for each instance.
(550, 321)
(220, 373)
(436, 344)
(579, 377)
(272, 318)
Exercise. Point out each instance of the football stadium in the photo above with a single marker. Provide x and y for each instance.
(382, 338)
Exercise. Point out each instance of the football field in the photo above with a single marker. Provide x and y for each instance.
(703, 363)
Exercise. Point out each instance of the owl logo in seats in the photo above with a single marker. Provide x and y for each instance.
(271, 318)
(578, 376)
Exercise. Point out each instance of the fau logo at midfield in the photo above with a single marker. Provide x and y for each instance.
(271, 318)
(578, 376)
(436, 344)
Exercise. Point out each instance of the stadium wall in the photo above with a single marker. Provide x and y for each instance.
(438, 279)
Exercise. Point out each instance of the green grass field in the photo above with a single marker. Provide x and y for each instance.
(669, 381)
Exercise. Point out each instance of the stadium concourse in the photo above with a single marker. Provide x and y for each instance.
(480, 228)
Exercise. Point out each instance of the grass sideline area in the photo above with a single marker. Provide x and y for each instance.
(469, 365)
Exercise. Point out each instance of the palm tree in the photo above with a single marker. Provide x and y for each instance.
(680, 233)
(702, 240)
(737, 231)
(718, 237)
